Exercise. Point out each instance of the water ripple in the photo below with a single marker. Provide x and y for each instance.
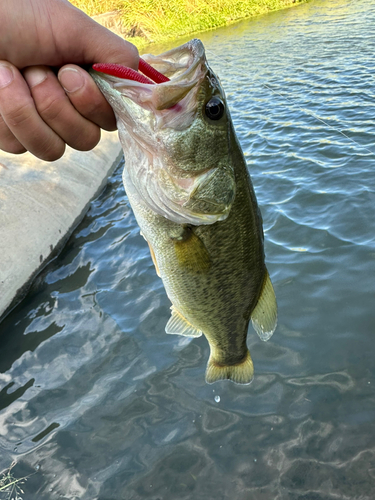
(97, 399)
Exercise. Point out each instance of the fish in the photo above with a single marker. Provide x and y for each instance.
(189, 187)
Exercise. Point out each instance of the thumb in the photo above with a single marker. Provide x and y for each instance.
(88, 42)
(103, 46)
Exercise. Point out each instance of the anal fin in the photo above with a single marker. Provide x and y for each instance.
(264, 315)
(178, 325)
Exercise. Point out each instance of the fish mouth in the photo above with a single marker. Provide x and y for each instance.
(158, 121)
(183, 68)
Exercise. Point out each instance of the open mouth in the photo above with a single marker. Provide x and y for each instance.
(161, 81)
(145, 74)
(148, 75)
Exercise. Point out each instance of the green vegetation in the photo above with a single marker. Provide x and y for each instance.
(146, 21)
(94, 7)
(10, 487)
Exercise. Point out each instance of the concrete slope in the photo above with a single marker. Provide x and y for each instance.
(40, 205)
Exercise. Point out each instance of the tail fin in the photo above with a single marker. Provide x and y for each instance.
(241, 373)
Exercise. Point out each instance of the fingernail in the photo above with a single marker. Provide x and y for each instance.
(34, 76)
(6, 75)
(71, 79)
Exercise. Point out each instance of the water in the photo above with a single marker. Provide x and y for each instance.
(101, 404)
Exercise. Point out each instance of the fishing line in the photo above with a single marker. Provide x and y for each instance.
(308, 112)
(304, 110)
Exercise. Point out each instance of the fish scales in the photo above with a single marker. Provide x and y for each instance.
(205, 298)
(187, 182)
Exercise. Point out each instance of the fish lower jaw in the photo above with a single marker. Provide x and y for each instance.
(240, 373)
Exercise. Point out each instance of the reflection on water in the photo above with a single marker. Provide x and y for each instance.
(105, 405)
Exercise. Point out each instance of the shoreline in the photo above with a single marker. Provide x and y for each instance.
(42, 203)
(170, 22)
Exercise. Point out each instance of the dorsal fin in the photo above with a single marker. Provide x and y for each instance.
(264, 316)
(178, 325)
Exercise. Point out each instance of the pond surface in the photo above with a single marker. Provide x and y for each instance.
(97, 399)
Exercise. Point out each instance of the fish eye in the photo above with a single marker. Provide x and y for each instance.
(214, 109)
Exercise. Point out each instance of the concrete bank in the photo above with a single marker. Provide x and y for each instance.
(40, 205)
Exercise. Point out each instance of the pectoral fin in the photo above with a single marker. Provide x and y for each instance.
(191, 252)
(264, 316)
(178, 325)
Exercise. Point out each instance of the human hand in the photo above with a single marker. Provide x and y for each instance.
(36, 113)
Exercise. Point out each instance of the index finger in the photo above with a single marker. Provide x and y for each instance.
(19, 113)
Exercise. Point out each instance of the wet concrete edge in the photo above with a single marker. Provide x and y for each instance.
(41, 204)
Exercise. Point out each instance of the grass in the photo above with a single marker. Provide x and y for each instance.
(10, 487)
(146, 21)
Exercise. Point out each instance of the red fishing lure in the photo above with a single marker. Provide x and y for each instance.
(150, 74)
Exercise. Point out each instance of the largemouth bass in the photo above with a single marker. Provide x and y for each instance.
(191, 193)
